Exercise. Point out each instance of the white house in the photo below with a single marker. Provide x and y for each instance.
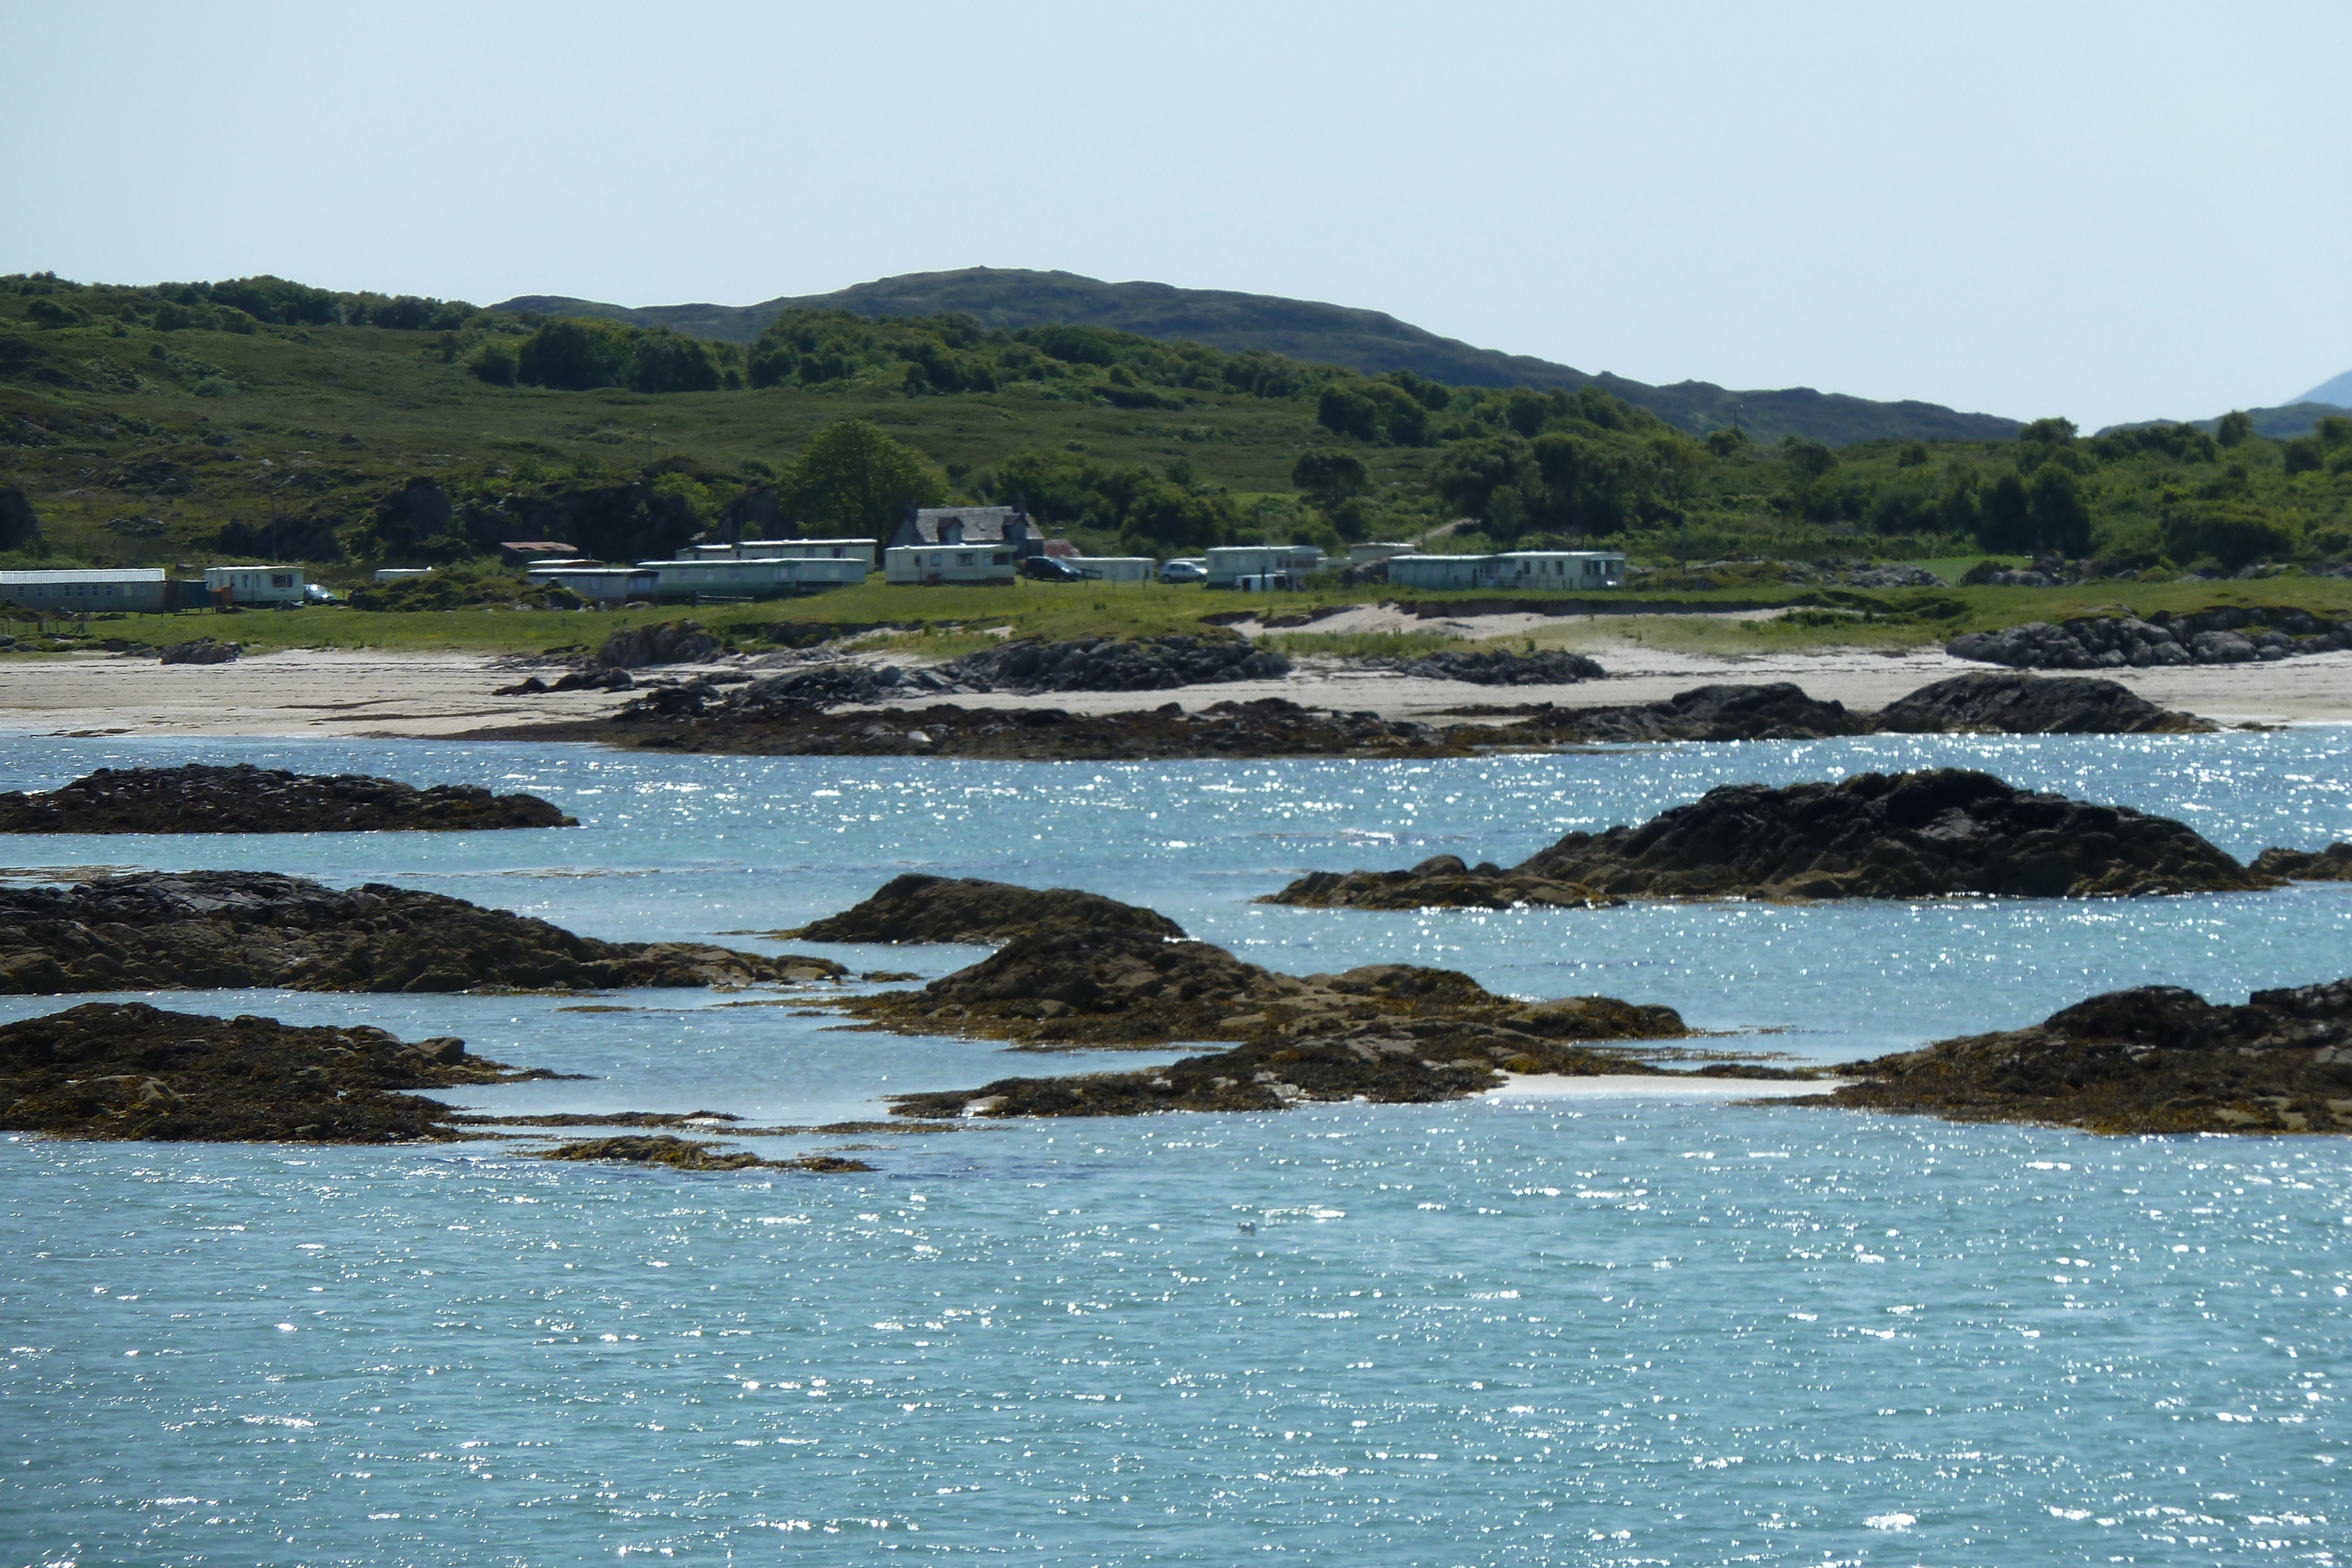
(263, 584)
(934, 564)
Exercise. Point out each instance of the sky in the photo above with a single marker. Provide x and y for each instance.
(2107, 212)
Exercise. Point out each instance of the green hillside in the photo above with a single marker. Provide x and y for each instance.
(256, 417)
(1364, 340)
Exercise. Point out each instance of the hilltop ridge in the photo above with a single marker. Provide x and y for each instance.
(1361, 340)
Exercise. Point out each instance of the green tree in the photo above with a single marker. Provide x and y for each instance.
(495, 362)
(2235, 429)
(2062, 522)
(1345, 410)
(2230, 532)
(853, 480)
(576, 355)
(2004, 520)
(1326, 476)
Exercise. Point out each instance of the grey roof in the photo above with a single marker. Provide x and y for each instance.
(981, 525)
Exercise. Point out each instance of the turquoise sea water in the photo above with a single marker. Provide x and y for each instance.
(1520, 1330)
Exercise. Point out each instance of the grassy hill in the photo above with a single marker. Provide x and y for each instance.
(188, 423)
(1365, 341)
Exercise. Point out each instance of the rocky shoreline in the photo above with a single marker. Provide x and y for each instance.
(219, 930)
(2157, 1059)
(1941, 833)
(807, 716)
(201, 799)
(123, 1070)
(2228, 635)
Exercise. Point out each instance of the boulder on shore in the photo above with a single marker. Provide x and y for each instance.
(225, 929)
(201, 650)
(669, 643)
(2333, 864)
(2226, 634)
(2031, 705)
(1112, 665)
(2155, 1059)
(1778, 711)
(200, 798)
(1940, 833)
(107, 1069)
(919, 908)
(1496, 667)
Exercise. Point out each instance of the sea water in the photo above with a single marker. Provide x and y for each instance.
(1521, 1329)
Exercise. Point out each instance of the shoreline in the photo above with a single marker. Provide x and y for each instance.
(340, 694)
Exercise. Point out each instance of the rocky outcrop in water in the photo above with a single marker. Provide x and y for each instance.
(200, 798)
(688, 1154)
(1388, 1032)
(2157, 1059)
(200, 650)
(131, 1070)
(2231, 635)
(2333, 864)
(919, 908)
(1269, 727)
(1123, 987)
(223, 930)
(1496, 667)
(1113, 665)
(2031, 705)
(1941, 833)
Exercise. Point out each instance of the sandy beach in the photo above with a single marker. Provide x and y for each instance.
(347, 694)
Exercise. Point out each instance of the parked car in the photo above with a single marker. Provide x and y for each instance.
(1184, 569)
(1048, 568)
(314, 594)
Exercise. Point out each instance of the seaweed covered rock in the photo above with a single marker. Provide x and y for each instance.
(2157, 1059)
(2333, 864)
(1121, 986)
(919, 908)
(689, 1154)
(1114, 664)
(1940, 833)
(220, 929)
(1496, 667)
(108, 1069)
(200, 798)
(2033, 705)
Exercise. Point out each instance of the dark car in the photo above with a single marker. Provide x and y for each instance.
(1046, 569)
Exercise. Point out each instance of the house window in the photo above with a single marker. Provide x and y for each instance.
(282, 580)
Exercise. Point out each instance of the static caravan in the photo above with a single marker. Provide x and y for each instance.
(1558, 570)
(755, 578)
(1262, 567)
(1437, 572)
(81, 592)
(1360, 554)
(598, 584)
(859, 551)
(1115, 568)
(385, 574)
(933, 565)
(269, 584)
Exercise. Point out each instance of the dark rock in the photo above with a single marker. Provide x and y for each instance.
(2333, 864)
(669, 643)
(219, 930)
(1781, 711)
(201, 650)
(686, 1155)
(1497, 668)
(130, 1070)
(1113, 665)
(2030, 705)
(1941, 833)
(199, 798)
(19, 527)
(918, 908)
(2157, 1059)
(2227, 634)
(1388, 1032)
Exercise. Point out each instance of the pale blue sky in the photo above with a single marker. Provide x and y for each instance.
(2108, 212)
